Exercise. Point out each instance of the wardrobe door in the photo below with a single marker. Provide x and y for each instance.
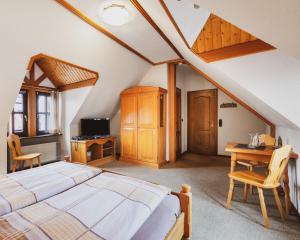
(147, 145)
(129, 126)
(147, 110)
(129, 143)
(129, 111)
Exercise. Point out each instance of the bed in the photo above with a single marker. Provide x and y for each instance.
(107, 206)
(21, 189)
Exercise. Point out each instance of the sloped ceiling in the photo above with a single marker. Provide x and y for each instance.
(275, 22)
(137, 33)
(65, 36)
(252, 78)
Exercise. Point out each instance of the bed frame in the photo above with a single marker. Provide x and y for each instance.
(182, 229)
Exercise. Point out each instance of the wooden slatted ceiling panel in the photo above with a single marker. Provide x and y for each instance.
(218, 33)
(220, 40)
(62, 73)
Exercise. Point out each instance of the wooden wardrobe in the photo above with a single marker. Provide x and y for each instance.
(143, 125)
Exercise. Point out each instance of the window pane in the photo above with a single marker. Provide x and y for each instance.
(18, 123)
(42, 122)
(41, 103)
(18, 107)
(48, 104)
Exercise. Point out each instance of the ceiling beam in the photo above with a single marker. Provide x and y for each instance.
(95, 25)
(167, 11)
(154, 25)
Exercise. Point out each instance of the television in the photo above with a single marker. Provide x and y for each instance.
(95, 126)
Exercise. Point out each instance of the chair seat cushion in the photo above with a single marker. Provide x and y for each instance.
(248, 177)
(27, 156)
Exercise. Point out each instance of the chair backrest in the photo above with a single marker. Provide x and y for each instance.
(278, 164)
(14, 145)
(267, 140)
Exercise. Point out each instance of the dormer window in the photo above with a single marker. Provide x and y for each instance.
(19, 115)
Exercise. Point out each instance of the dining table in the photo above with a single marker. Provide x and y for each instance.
(261, 154)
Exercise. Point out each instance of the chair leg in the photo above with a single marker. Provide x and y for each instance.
(246, 192)
(278, 203)
(22, 166)
(14, 166)
(230, 193)
(39, 160)
(30, 162)
(251, 170)
(263, 207)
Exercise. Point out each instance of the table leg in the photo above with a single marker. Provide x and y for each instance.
(286, 189)
(233, 162)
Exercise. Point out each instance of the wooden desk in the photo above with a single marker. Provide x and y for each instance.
(260, 156)
(102, 150)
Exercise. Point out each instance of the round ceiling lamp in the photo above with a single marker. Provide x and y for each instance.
(115, 15)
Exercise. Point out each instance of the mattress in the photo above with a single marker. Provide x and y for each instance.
(161, 221)
(108, 206)
(21, 189)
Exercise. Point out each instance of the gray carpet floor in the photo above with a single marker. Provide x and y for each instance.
(211, 220)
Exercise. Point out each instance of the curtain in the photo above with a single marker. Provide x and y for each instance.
(54, 123)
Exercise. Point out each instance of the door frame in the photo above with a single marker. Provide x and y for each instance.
(179, 113)
(215, 90)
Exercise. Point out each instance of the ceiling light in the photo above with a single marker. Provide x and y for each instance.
(115, 15)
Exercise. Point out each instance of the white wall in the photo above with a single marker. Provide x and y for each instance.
(71, 102)
(237, 122)
(292, 137)
(65, 36)
(48, 151)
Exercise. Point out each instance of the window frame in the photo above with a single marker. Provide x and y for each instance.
(24, 133)
(47, 111)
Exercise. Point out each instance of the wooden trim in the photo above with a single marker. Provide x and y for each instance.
(178, 60)
(31, 112)
(40, 79)
(154, 25)
(235, 51)
(238, 100)
(43, 55)
(174, 22)
(38, 88)
(172, 111)
(96, 25)
(85, 83)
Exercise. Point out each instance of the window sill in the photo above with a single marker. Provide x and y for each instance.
(40, 139)
(42, 136)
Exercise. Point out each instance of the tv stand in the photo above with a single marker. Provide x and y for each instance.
(94, 152)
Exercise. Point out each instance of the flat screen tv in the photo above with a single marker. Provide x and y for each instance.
(95, 126)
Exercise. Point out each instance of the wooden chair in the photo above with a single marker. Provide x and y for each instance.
(264, 139)
(276, 168)
(14, 146)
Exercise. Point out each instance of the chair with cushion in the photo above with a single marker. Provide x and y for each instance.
(276, 168)
(14, 146)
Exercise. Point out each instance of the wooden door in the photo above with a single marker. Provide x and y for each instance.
(178, 122)
(202, 122)
(129, 126)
